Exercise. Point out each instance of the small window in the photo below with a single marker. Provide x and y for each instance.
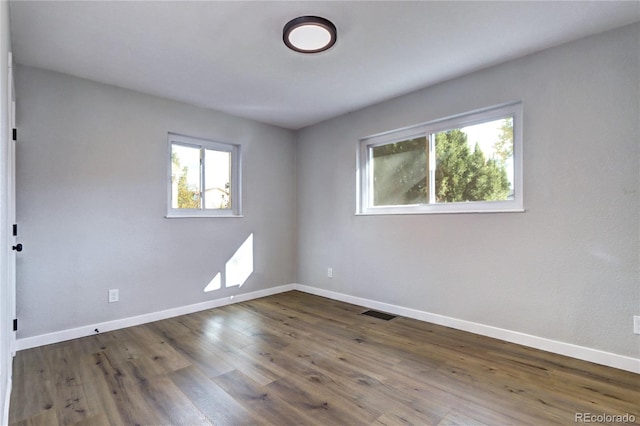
(467, 163)
(204, 178)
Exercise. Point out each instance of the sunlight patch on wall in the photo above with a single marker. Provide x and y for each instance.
(240, 266)
(215, 283)
(237, 269)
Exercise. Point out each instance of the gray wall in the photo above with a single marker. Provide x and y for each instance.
(92, 163)
(566, 269)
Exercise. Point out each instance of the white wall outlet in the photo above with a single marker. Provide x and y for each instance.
(114, 295)
(636, 324)
(330, 272)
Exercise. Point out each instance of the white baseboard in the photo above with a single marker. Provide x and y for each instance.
(580, 352)
(7, 384)
(7, 401)
(74, 333)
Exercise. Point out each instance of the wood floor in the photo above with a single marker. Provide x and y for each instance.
(298, 359)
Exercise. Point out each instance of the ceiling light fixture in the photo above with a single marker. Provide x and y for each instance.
(309, 34)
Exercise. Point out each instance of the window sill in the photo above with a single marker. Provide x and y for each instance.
(201, 216)
(427, 212)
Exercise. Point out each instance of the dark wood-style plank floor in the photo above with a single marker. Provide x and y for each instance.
(298, 359)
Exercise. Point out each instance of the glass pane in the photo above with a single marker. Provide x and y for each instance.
(217, 176)
(475, 163)
(185, 177)
(400, 173)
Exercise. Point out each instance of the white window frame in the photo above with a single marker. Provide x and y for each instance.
(365, 171)
(236, 180)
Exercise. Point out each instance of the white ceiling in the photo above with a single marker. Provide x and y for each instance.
(229, 56)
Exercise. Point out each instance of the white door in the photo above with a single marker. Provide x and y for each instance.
(7, 219)
(11, 203)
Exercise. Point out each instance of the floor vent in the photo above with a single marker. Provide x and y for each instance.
(378, 314)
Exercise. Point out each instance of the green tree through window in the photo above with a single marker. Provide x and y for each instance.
(400, 173)
(188, 195)
(461, 171)
(463, 175)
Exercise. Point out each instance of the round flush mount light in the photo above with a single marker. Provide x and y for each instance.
(309, 34)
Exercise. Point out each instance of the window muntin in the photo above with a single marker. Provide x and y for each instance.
(204, 178)
(468, 163)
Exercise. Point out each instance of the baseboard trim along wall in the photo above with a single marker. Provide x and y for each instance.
(7, 400)
(580, 352)
(74, 333)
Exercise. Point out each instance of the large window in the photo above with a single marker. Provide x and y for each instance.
(204, 177)
(467, 163)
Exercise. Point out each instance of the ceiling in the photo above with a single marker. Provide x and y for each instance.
(229, 56)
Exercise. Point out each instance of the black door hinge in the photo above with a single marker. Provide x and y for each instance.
(15, 324)
(15, 134)
(15, 229)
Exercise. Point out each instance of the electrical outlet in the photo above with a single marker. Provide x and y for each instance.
(330, 272)
(114, 295)
(636, 324)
